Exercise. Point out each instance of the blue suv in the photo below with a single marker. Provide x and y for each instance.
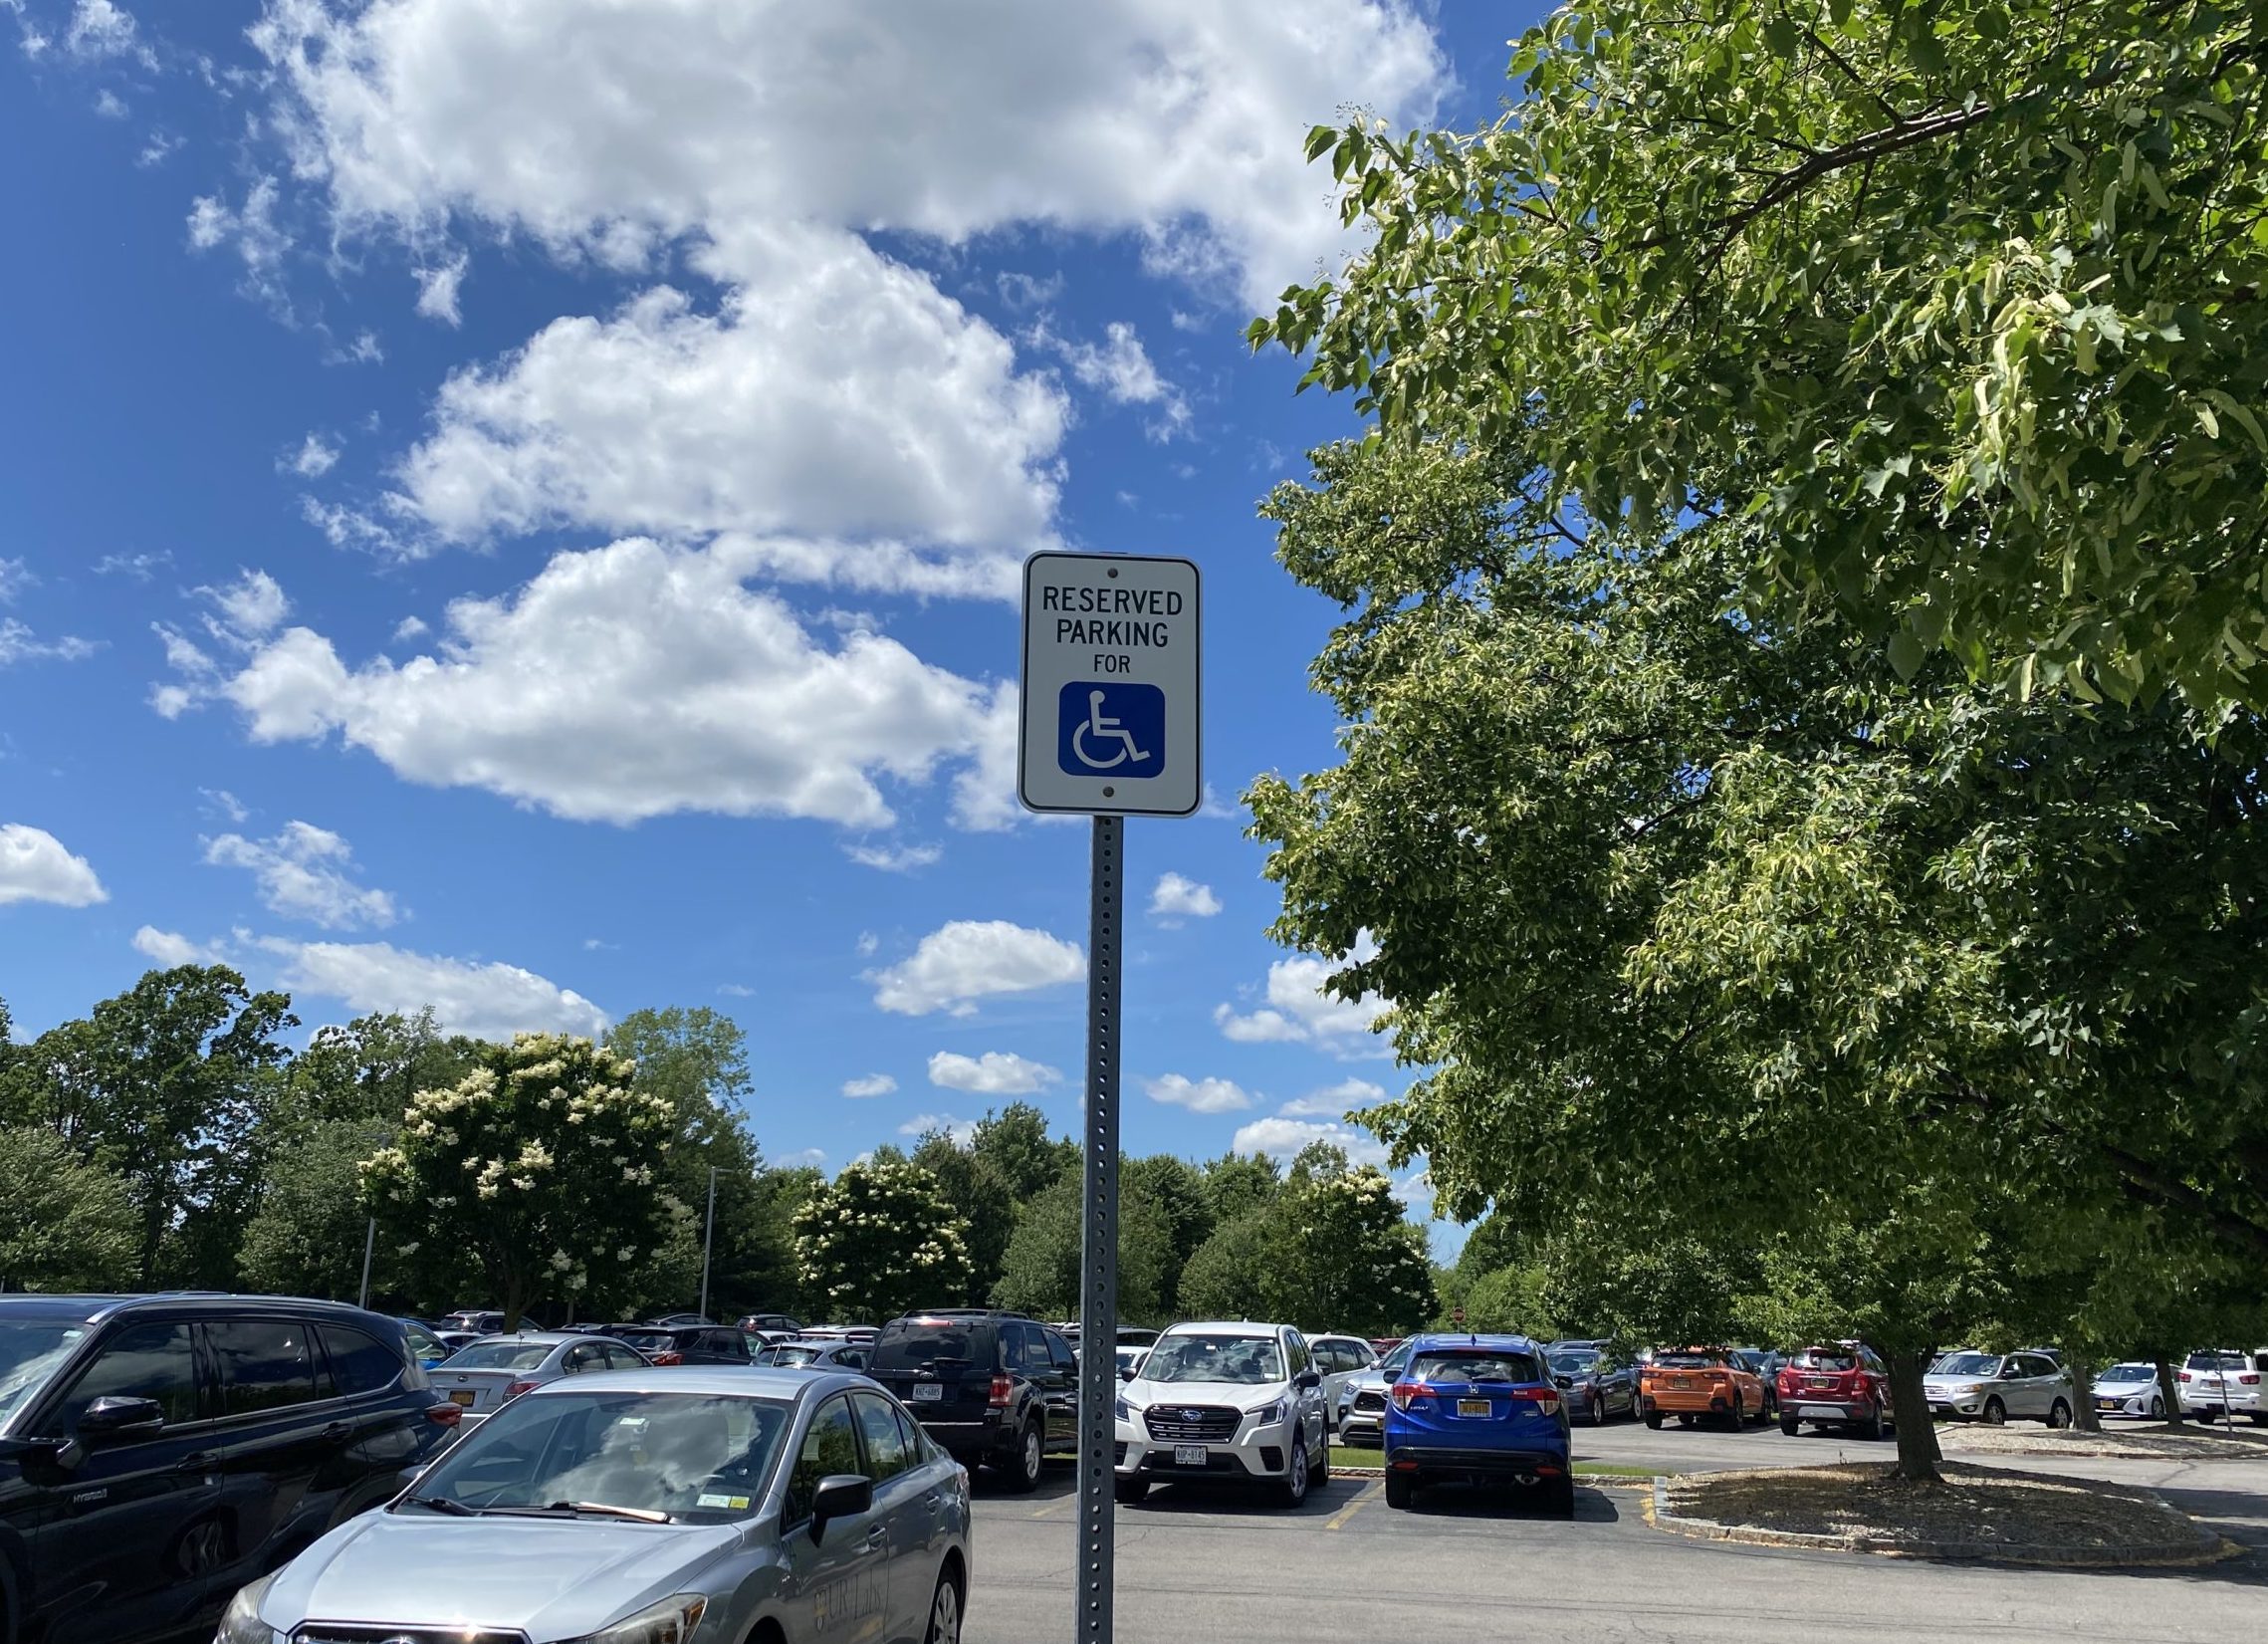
(1481, 1409)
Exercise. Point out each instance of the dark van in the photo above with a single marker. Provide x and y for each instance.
(158, 1452)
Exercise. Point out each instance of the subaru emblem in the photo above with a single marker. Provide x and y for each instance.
(1193, 1415)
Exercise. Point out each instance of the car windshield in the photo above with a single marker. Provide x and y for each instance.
(1573, 1365)
(918, 1344)
(2130, 1372)
(1392, 1363)
(1826, 1358)
(650, 1341)
(502, 1355)
(1468, 1365)
(700, 1458)
(2218, 1361)
(1968, 1364)
(1254, 1360)
(30, 1349)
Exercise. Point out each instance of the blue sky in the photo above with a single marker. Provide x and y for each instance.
(516, 507)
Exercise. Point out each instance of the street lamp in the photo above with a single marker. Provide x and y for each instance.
(709, 1242)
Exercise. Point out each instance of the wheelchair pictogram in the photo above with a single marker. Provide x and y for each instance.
(1111, 728)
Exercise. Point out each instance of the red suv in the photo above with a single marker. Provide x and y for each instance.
(1844, 1385)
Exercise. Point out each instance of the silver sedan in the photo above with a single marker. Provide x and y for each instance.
(484, 1377)
(648, 1508)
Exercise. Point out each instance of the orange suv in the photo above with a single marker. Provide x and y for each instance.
(1692, 1382)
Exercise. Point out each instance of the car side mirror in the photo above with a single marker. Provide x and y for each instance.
(1307, 1379)
(841, 1496)
(122, 1417)
(1126, 1372)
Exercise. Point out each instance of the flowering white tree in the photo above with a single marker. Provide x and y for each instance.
(881, 1239)
(541, 1163)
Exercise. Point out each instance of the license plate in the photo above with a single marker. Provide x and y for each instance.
(462, 1399)
(1189, 1455)
(929, 1392)
(1474, 1407)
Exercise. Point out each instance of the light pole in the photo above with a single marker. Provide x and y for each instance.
(709, 1242)
(369, 1247)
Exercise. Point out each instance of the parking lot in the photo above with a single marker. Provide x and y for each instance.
(1197, 1562)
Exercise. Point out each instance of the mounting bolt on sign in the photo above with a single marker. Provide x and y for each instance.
(1110, 728)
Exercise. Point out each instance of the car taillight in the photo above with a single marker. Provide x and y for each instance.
(518, 1387)
(1721, 1377)
(444, 1415)
(2184, 1375)
(1407, 1394)
(666, 1358)
(1545, 1399)
(1004, 1390)
(2248, 1381)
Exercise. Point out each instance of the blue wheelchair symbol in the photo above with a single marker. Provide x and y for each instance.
(1113, 728)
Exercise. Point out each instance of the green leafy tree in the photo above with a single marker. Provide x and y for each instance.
(1236, 1185)
(309, 1234)
(543, 1164)
(1177, 1187)
(1738, 919)
(1040, 1274)
(168, 1086)
(369, 1069)
(1352, 1261)
(881, 1240)
(972, 1184)
(1947, 314)
(1232, 1276)
(779, 1193)
(1017, 1145)
(65, 1224)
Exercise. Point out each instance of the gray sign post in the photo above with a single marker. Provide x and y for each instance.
(1110, 728)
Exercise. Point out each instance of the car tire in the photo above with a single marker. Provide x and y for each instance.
(1130, 1492)
(1871, 1428)
(944, 1612)
(1024, 1468)
(2058, 1416)
(1292, 1491)
(1599, 1409)
(1322, 1472)
(2156, 1409)
(1995, 1413)
(1400, 1489)
(1737, 1420)
(1560, 1498)
(1654, 1420)
(2259, 1418)
(1790, 1425)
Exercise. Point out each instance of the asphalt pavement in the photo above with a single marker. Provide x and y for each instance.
(1204, 1562)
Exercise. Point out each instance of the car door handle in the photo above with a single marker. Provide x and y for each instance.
(933, 1501)
(876, 1537)
(197, 1460)
(337, 1431)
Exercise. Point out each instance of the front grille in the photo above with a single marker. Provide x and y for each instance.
(357, 1632)
(1370, 1402)
(1192, 1423)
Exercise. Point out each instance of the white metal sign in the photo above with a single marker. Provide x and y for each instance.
(1111, 680)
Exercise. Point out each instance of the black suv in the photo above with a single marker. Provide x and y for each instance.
(997, 1389)
(158, 1452)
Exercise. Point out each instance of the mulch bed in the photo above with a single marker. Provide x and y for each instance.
(2133, 1441)
(1988, 1510)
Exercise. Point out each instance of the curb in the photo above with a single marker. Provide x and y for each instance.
(2205, 1546)
(1597, 1481)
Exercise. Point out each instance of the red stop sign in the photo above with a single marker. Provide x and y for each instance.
(1456, 1315)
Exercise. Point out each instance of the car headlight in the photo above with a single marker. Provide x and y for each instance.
(1267, 1414)
(1122, 1410)
(669, 1622)
(241, 1623)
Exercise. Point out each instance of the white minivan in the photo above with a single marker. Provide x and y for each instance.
(1235, 1403)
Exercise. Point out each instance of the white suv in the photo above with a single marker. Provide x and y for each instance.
(2223, 1382)
(1236, 1403)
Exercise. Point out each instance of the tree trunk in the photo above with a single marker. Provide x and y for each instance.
(2170, 1391)
(2083, 1416)
(1918, 1452)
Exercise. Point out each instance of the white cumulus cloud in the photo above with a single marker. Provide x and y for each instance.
(872, 1084)
(485, 999)
(1174, 898)
(995, 1073)
(1202, 1095)
(921, 1124)
(315, 458)
(1333, 1101)
(301, 873)
(1121, 370)
(1281, 1138)
(170, 948)
(969, 959)
(1298, 1012)
(895, 858)
(35, 867)
(624, 682)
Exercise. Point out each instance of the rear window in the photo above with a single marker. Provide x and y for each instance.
(1475, 1366)
(1825, 1358)
(1687, 1361)
(1573, 1365)
(2218, 1361)
(917, 1343)
(502, 1355)
(360, 1363)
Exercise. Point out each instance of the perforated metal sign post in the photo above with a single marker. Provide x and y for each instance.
(1111, 728)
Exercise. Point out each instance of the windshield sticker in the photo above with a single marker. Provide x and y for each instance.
(733, 1504)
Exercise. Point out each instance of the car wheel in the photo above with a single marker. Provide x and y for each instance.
(1871, 1428)
(2059, 1414)
(1023, 1469)
(1995, 1413)
(1599, 1408)
(945, 1612)
(2260, 1418)
(1654, 1420)
(1323, 1462)
(1292, 1492)
(1130, 1492)
(1560, 1498)
(2156, 1409)
(1790, 1425)
(1400, 1488)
